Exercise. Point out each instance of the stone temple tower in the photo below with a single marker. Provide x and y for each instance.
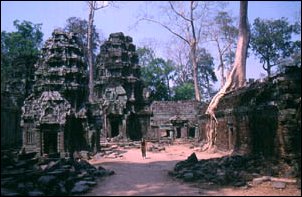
(119, 89)
(53, 117)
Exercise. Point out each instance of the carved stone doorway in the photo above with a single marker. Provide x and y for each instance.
(115, 125)
(192, 132)
(74, 135)
(134, 130)
(178, 132)
(50, 141)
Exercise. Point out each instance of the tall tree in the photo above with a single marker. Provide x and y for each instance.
(156, 73)
(185, 21)
(205, 63)
(183, 73)
(271, 41)
(236, 78)
(80, 27)
(93, 6)
(178, 51)
(19, 52)
(146, 55)
(223, 33)
(184, 91)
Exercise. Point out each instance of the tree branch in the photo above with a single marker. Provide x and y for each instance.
(92, 5)
(177, 13)
(192, 22)
(168, 28)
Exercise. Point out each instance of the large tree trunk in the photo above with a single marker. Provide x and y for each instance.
(237, 76)
(243, 42)
(195, 73)
(193, 46)
(222, 70)
(90, 50)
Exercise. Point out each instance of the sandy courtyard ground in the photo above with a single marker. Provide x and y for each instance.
(135, 176)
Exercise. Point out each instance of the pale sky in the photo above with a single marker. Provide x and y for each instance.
(53, 14)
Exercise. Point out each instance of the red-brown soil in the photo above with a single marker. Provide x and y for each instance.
(136, 176)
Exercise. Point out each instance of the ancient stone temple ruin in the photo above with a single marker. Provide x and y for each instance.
(53, 116)
(57, 117)
(119, 90)
(263, 117)
(177, 119)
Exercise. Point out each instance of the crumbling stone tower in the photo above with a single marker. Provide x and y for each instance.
(53, 117)
(119, 89)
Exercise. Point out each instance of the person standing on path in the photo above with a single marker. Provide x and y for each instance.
(143, 148)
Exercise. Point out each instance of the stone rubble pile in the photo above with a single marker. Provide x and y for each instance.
(117, 149)
(156, 148)
(28, 175)
(58, 99)
(234, 170)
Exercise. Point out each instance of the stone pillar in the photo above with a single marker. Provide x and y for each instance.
(42, 143)
(171, 134)
(124, 126)
(107, 127)
(196, 135)
(25, 130)
(38, 141)
(183, 132)
(60, 137)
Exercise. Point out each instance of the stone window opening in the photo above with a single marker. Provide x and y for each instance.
(29, 137)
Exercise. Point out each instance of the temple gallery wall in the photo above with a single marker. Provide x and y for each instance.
(57, 119)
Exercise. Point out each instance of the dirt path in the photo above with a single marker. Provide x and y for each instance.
(136, 176)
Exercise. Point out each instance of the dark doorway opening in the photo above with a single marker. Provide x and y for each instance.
(178, 132)
(50, 142)
(74, 135)
(134, 128)
(192, 132)
(114, 123)
(167, 133)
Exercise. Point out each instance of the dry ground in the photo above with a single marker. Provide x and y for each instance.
(135, 176)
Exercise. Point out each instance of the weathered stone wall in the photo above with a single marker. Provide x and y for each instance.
(119, 90)
(165, 111)
(15, 89)
(262, 118)
(54, 115)
(11, 135)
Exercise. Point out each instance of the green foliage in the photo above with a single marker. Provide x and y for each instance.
(19, 52)
(146, 55)
(226, 36)
(24, 42)
(184, 91)
(228, 32)
(156, 73)
(80, 27)
(271, 41)
(206, 72)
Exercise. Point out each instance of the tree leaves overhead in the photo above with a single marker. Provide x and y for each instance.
(156, 73)
(271, 41)
(19, 52)
(184, 91)
(206, 72)
(25, 41)
(161, 76)
(80, 27)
